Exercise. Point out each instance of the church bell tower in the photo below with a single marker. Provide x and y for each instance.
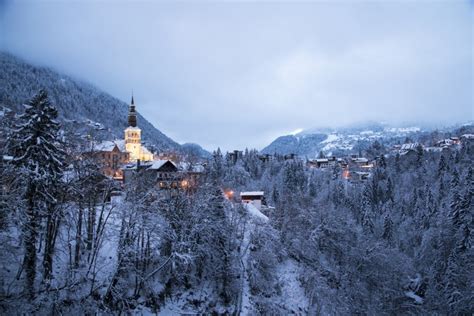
(133, 141)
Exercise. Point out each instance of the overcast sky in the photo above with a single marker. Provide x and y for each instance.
(238, 75)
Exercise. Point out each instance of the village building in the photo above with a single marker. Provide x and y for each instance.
(256, 198)
(265, 157)
(113, 156)
(234, 156)
(133, 143)
(408, 148)
(164, 174)
(325, 163)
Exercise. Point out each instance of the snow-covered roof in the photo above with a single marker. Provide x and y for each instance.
(468, 136)
(150, 165)
(157, 164)
(433, 149)
(409, 146)
(360, 159)
(186, 166)
(109, 145)
(7, 158)
(252, 193)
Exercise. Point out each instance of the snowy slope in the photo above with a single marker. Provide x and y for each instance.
(333, 141)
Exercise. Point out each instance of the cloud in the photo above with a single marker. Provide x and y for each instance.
(240, 74)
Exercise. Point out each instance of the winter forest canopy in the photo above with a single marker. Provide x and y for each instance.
(74, 241)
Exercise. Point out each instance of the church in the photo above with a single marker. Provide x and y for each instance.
(133, 141)
(115, 154)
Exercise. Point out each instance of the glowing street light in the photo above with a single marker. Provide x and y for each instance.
(229, 194)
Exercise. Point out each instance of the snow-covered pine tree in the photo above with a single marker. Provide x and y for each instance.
(441, 166)
(39, 161)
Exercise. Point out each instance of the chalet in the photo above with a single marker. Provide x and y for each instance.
(448, 142)
(290, 156)
(192, 172)
(165, 174)
(361, 163)
(324, 163)
(407, 148)
(455, 140)
(254, 197)
(355, 176)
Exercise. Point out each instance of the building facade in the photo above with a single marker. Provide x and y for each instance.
(133, 138)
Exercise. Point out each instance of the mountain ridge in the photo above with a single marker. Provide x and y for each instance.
(349, 139)
(77, 101)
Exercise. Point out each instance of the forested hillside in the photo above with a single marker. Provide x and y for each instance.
(398, 243)
(76, 101)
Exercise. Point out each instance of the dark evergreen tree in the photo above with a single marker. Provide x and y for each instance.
(39, 159)
(387, 228)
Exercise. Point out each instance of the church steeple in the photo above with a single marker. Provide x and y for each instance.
(132, 114)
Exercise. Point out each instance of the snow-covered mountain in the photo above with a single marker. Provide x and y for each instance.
(82, 106)
(336, 141)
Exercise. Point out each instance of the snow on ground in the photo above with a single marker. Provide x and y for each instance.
(245, 305)
(191, 302)
(331, 138)
(254, 212)
(418, 299)
(293, 296)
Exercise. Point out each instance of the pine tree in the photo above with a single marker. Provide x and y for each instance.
(419, 156)
(382, 162)
(441, 166)
(452, 291)
(38, 158)
(387, 228)
(454, 179)
(367, 220)
(275, 195)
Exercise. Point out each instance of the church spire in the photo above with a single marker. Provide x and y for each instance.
(132, 114)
